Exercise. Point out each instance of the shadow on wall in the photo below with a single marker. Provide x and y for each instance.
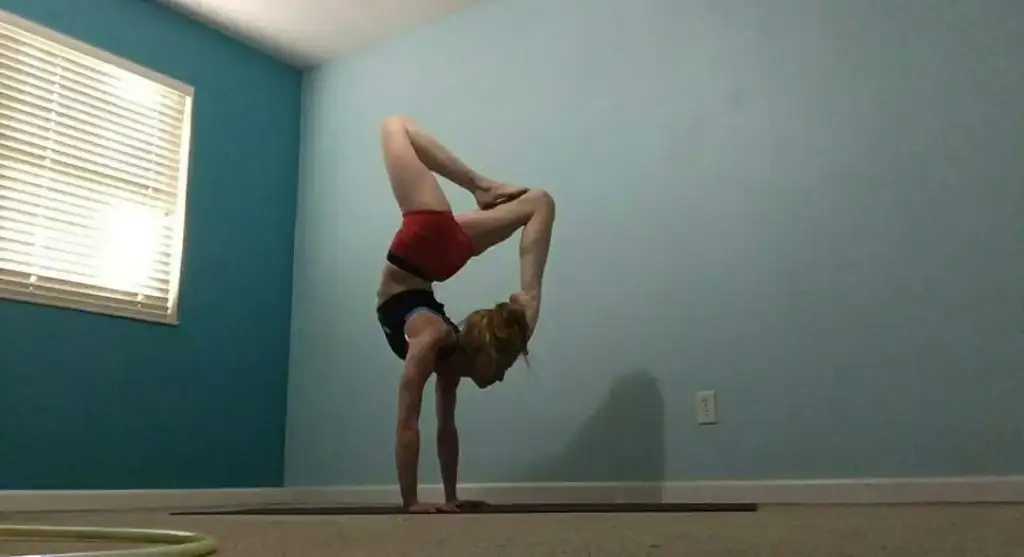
(622, 441)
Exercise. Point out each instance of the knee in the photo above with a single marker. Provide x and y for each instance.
(395, 122)
(541, 199)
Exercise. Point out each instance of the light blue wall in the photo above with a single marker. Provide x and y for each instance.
(814, 208)
(91, 402)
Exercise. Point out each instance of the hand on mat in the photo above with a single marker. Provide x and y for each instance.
(422, 508)
(459, 505)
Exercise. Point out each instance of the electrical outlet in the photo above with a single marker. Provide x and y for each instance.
(707, 408)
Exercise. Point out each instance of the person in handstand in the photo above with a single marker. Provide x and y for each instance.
(432, 245)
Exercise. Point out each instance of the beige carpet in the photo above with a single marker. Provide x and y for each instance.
(918, 531)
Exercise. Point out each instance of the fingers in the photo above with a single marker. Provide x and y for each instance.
(499, 195)
(503, 199)
(421, 508)
(449, 507)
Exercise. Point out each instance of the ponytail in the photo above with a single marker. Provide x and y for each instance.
(496, 337)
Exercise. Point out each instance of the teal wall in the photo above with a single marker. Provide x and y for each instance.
(814, 208)
(93, 402)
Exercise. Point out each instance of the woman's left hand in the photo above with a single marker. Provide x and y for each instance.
(459, 505)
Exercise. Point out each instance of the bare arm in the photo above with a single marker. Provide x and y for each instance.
(418, 367)
(447, 435)
(534, 246)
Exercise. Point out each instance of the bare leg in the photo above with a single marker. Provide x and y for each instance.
(534, 212)
(411, 155)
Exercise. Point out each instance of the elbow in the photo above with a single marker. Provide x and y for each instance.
(408, 432)
(544, 200)
(408, 425)
(409, 393)
(395, 123)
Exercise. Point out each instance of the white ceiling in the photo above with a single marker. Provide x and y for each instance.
(308, 32)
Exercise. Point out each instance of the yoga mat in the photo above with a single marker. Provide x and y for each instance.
(519, 508)
(166, 543)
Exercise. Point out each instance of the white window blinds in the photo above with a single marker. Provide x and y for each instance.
(93, 164)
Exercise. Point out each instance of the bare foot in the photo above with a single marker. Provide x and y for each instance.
(521, 299)
(531, 305)
(496, 193)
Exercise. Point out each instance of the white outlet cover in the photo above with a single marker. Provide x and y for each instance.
(707, 407)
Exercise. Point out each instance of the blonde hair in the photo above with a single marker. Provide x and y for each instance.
(495, 338)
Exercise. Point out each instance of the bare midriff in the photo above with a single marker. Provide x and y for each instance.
(394, 280)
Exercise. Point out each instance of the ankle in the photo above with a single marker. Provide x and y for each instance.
(481, 184)
(525, 299)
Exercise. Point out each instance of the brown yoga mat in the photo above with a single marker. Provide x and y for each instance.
(519, 508)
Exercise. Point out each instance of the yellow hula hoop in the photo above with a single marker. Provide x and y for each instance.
(173, 544)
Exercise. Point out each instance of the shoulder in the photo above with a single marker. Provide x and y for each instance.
(427, 330)
(425, 322)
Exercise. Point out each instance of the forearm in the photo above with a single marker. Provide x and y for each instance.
(448, 455)
(407, 435)
(442, 161)
(407, 456)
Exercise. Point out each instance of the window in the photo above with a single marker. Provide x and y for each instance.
(93, 168)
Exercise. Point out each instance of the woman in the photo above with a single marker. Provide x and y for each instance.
(432, 245)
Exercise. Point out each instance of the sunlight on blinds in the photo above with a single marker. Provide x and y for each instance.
(93, 165)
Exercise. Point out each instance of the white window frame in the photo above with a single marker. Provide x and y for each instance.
(171, 316)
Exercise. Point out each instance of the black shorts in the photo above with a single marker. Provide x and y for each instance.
(396, 310)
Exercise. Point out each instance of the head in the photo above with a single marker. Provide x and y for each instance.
(492, 340)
